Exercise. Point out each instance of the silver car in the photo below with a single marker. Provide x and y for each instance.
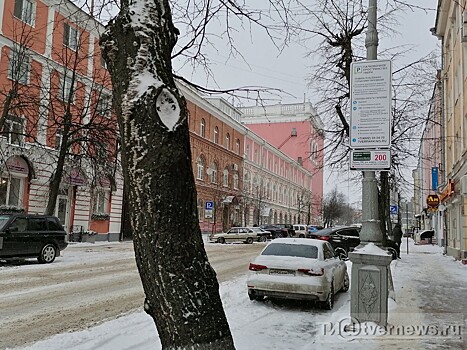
(298, 268)
(236, 234)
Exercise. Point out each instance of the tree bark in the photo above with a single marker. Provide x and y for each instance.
(182, 292)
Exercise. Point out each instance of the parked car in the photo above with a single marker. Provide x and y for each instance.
(27, 235)
(275, 230)
(263, 235)
(289, 228)
(425, 237)
(345, 239)
(314, 228)
(298, 268)
(300, 230)
(236, 234)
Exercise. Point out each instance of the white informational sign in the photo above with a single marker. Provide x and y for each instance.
(368, 160)
(370, 100)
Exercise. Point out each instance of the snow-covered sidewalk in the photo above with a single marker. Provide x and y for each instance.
(431, 294)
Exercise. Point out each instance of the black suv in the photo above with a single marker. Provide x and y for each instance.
(276, 231)
(289, 228)
(345, 239)
(27, 235)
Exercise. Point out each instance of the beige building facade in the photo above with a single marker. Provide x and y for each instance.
(451, 29)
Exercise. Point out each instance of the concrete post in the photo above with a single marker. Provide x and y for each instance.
(370, 263)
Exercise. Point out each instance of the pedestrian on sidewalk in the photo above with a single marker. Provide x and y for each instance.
(397, 233)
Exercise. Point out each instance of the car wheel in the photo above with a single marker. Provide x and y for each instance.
(346, 285)
(393, 253)
(263, 239)
(328, 304)
(255, 297)
(342, 254)
(48, 254)
(221, 240)
(249, 240)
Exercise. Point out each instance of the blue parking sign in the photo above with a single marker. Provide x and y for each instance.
(393, 209)
(209, 205)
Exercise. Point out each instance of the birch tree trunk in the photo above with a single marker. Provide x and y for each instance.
(182, 292)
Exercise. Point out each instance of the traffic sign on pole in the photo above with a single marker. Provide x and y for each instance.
(370, 99)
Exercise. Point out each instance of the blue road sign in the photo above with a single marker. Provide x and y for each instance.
(209, 205)
(393, 209)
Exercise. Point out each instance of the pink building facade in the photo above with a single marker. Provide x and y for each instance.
(295, 130)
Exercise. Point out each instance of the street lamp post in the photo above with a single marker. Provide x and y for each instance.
(370, 264)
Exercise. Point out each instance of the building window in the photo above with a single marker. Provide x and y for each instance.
(237, 146)
(18, 69)
(213, 173)
(58, 139)
(256, 157)
(25, 11)
(200, 169)
(225, 181)
(101, 199)
(227, 141)
(200, 210)
(70, 37)
(246, 182)
(66, 88)
(104, 105)
(216, 135)
(13, 130)
(202, 128)
(247, 152)
(235, 181)
(11, 189)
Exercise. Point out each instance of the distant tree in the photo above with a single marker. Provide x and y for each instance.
(333, 207)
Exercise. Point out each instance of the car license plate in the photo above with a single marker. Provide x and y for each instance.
(282, 272)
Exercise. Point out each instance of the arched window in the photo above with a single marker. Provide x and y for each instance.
(247, 152)
(213, 171)
(202, 127)
(225, 181)
(200, 169)
(216, 135)
(235, 181)
(237, 146)
(227, 141)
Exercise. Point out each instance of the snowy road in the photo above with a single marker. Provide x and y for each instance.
(88, 284)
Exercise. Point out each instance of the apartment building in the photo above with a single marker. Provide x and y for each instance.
(296, 131)
(430, 168)
(55, 100)
(451, 29)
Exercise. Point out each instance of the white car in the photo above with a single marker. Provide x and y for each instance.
(236, 234)
(298, 268)
(300, 230)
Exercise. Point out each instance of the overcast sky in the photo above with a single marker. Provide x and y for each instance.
(287, 70)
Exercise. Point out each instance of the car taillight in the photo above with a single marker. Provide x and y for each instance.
(312, 272)
(323, 238)
(256, 267)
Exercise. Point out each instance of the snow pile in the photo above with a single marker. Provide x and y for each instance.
(303, 326)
